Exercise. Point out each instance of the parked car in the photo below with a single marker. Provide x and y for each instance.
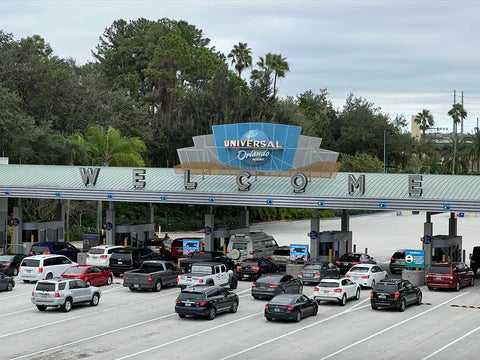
(314, 271)
(395, 293)
(346, 261)
(366, 275)
(92, 275)
(274, 284)
(100, 255)
(55, 248)
(450, 275)
(290, 307)
(153, 275)
(39, 267)
(339, 290)
(64, 293)
(205, 256)
(9, 264)
(6, 282)
(254, 268)
(130, 258)
(205, 301)
(281, 256)
(397, 261)
(475, 259)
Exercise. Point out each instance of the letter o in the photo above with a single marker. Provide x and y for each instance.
(299, 182)
(243, 186)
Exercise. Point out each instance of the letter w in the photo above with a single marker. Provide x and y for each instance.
(90, 175)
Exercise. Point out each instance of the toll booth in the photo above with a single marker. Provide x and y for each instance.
(446, 248)
(330, 245)
(133, 234)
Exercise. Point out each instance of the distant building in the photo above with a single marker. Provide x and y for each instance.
(415, 128)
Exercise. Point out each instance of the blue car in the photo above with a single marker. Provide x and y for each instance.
(56, 248)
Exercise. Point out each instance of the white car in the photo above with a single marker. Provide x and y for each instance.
(100, 255)
(339, 290)
(366, 274)
(40, 267)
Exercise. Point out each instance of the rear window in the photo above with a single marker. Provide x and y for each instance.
(177, 243)
(202, 269)
(268, 280)
(30, 263)
(399, 255)
(386, 287)
(312, 267)
(45, 286)
(40, 249)
(328, 284)
(6, 258)
(350, 257)
(239, 246)
(75, 271)
(439, 269)
(282, 252)
(187, 295)
(96, 251)
(359, 269)
(201, 256)
(122, 256)
(284, 299)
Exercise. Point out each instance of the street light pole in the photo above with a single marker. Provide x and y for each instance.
(384, 151)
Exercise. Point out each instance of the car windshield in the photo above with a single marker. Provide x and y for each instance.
(190, 295)
(284, 299)
(328, 284)
(45, 286)
(359, 269)
(282, 252)
(75, 270)
(439, 269)
(312, 267)
(30, 263)
(385, 287)
(269, 279)
(6, 259)
(122, 255)
(40, 249)
(239, 246)
(202, 269)
(350, 257)
(95, 251)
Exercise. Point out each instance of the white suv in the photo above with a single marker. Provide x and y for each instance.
(100, 255)
(39, 267)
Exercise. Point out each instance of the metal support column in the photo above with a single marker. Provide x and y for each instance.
(244, 218)
(16, 242)
(3, 224)
(428, 230)
(314, 227)
(209, 226)
(150, 214)
(110, 230)
(452, 225)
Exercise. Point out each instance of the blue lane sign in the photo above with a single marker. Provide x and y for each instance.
(415, 258)
(427, 239)
(208, 230)
(109, 225)
(16, 222)
(298, 252)
(190, 245)
(313, 235)
(461, 214)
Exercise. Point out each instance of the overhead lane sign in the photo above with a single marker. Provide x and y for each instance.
(415, 258)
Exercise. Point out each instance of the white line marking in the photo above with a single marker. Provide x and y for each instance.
(16, 295)
(451, 343)
(187, 337)
(390, 327)
(16, 312)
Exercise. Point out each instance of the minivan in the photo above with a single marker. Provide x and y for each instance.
(39, 267)
(450, 275)
(251, 245)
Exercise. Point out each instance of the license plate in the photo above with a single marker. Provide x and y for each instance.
(187, 304)
(245, 276)
(136, 285)
(120, 262)
(382, 297)
(325, 291)
(45, 295)
(29, 271)
(277, 310)
(308, 275)
(438, 278)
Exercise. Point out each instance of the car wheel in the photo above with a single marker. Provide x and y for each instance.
(357, 295)
(95, 300)
(211, 313)
(15, 272)
(315, 310)
(132, 288)
(269, 318)
(234, 307)
(210, 283)
(386, 276)
(255, 297)
(374, 307)
(373, 284)
(419, 299)
(430, 288)
(49, 276)
(67, 305)
(10, 286)
(158, 286)
(403, 305)
(88, 282)
(109, 280)
(457, 286)
(233, 283)
(298, 316)
(41, 307)
(182, 316)
(471, 281)
(344, 300)
(26, 281)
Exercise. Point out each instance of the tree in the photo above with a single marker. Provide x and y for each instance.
(241, 57)
(424, 120)
(457, 113)
(361, 162)
(271, 64)
(474, 149)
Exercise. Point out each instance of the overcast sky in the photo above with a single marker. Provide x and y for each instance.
(403, 56)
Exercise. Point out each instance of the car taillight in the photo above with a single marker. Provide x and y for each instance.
(318, 273)
(371, 294)
(6, 265)
(87, 255)
(123, 276)
(273, 286)
(178, 279)
(254, 285)
(46, 253)
(251, 252)
(177, 301)
(299, 272)
(337, 262)
(396, 295)
(266, 306)
(31, 252)
(239, 267)
(337, 290)
(57, 294)
(365, 276)
(178, 264)
(103, 256)
(271, 257)
(40, 270)
(256, 268)
(200, 281)
(347, 276)
(355, 263)
(392, 258)
(33, 293)
(316, 289)
(290, 308)
(149, 278)
(202, 303)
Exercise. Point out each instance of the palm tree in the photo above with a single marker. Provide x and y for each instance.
(276, 64)
(474, 149)
(458, 113)
(241, 57)
(424, 120)
(110, 147)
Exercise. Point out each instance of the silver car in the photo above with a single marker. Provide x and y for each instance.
(64, 293)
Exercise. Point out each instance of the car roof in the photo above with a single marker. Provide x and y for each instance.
(363, 265)
(44, 256)
(106, 246)
(207, 263)
(48, 243)
(332, 280)
(200, 288)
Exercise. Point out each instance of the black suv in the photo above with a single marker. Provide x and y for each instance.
(397, 261)
(205, 301)
(130, 258)
(395, 293)
(475, 259)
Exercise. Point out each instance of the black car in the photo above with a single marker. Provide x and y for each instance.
(316, 270)
(206, 301)
(475, 259)
(6, 282)
(395, 293)
(290, 307)
(274, 284)
(55, 248)
(130, 258)
(9, 264)
(346, 261)
(254, 268)
(397, 261)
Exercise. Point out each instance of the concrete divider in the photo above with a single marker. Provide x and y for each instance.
(82, 258)
(416, 277)
(292, 269)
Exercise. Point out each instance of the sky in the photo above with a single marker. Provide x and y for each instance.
(403, 56)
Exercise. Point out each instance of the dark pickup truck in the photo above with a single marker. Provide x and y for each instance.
(153, 274)
(185, 264)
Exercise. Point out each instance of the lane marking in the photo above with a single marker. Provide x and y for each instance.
(390, 327)
(16, 312)
(451, 343)
(187, 336)
(16, 295)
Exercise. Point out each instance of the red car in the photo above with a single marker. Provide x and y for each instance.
(450, 275)
(92, 275)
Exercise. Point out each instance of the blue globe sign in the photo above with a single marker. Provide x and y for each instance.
(256, 155)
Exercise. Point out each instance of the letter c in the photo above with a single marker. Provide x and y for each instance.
(243, 185)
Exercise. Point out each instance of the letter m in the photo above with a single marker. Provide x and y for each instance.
(356, 184)
(89, 175)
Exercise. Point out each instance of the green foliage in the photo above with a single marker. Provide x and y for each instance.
(425, 120)
(361, 162)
